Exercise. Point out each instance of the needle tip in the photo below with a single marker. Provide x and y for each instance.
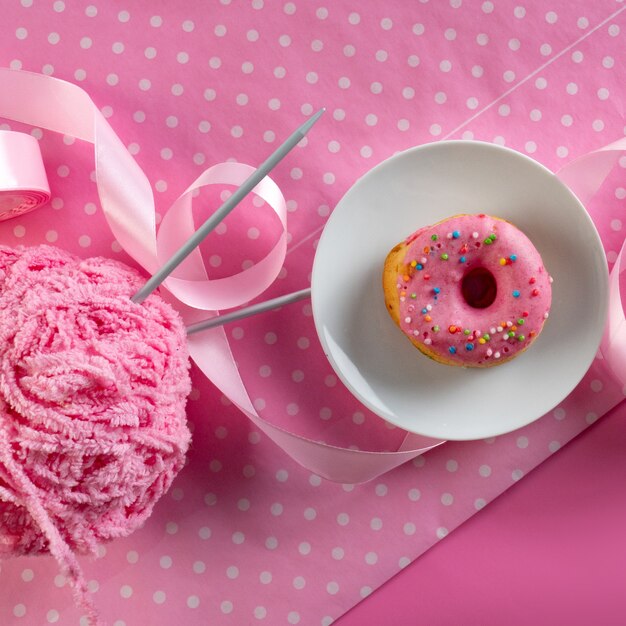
(309, 123)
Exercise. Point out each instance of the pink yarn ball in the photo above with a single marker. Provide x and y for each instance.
(92, 402)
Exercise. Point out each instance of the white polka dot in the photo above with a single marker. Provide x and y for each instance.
(445, 65)
(509, 76)
(608, 62)
(577, 56)
(441, 532)
(596, 385)
(199, 567)
(238, 537)
(226, 607)
(535, 115)
(484, 471)
(310, 513)
(567, 120)
(477, 71)
(381, 489)
(614, 30)
(514, 44)
(265, 577)
(132, 556)
(386, 23)
(344, 82)
(517, 474)
(27, 575)
(84, 241)
(603, 93)
(413, 60)
(193, 602)
(551, 17)
(545, 49)
(332, 588)
(343, 519)
(260, 612)
(126, 591)
(337, 553)
(232, 572)
(52, 616)
(447, 499)
(553, 446)
(479, 503)
(435, 130)
(276, 509)
(19, 610)
(591, 417)
(403, 562)
(381, 56)
(409, 528)
(165, 562)
(371, 558)
(414, 495)
(541, 83)
(559, 413)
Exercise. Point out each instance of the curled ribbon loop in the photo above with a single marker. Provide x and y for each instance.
(128, 204)
(584, 176)
(189, 282)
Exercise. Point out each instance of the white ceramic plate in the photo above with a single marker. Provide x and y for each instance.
(369, 353)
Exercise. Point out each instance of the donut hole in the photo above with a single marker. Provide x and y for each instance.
(479, 288)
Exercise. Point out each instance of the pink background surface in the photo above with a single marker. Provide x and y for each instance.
(246, 535)
(548, 551)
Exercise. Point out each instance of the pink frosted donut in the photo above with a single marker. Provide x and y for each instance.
(470, 291)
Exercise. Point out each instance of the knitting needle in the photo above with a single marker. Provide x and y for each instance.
(261, 307)
(247, 186)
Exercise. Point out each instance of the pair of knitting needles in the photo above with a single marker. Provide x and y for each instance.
(211, 223)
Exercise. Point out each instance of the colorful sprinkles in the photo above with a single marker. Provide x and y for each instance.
(501, 336)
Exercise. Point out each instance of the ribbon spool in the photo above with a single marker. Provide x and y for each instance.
(23, 182)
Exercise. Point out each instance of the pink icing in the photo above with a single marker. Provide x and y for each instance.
(435, 293)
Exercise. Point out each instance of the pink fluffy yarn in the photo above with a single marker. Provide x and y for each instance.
(92, 403)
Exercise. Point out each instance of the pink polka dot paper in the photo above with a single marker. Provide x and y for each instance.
(246, 535)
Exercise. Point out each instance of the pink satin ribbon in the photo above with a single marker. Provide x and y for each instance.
(128, 204)
(584, 176)
(23, 182)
